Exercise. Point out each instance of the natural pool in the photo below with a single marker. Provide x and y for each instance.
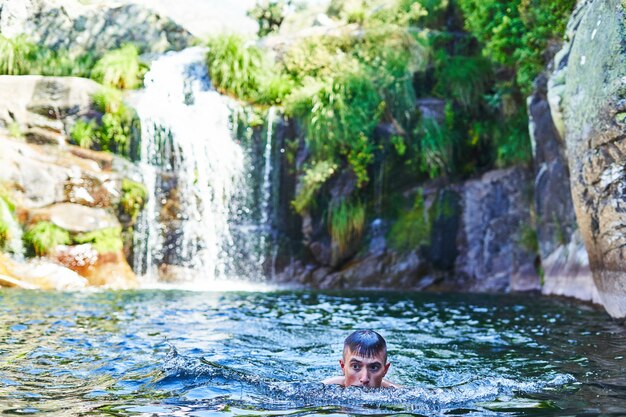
(157, 352)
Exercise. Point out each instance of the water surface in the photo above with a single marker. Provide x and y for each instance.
(157, 352)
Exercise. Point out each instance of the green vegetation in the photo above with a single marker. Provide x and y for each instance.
(15, 55)
(516, 33)
(269, 14)
(470, 63)
(83, 133)
(44, 236)
(134, 196)
(412, 227)
(314, 177)
(346, 221)
(120, 68)
(114, 133)
(6, 218)
(103, 240)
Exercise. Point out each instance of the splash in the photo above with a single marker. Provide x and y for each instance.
(241, 389)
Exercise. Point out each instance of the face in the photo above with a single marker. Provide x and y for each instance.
(364, 372)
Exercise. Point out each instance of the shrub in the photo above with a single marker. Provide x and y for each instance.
(120, 68)
(103, 240)
(44, 236)
(134, 196)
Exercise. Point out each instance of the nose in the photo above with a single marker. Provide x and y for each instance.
(364, 377)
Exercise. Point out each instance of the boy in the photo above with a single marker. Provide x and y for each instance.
(364, 362)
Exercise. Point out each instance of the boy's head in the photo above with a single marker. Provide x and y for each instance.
(364, 361)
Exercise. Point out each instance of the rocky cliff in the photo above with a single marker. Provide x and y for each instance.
(587, 99)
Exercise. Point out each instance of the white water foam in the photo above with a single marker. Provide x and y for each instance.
(193, 169)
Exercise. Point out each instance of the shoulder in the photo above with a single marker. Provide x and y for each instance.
(388, 384)
(335, 380)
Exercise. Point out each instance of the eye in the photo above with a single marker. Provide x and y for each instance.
(356, 367)
(374, 367)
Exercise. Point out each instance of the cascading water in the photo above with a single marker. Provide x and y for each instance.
(194, 170)
(267, 168)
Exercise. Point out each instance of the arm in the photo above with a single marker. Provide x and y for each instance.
(335, 380)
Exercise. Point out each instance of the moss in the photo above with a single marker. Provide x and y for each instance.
(103, 240)
(44, 236)
(412, 228)
(528, 238)
(134, 196)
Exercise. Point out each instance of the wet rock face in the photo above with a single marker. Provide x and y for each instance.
(590, 91)
(495, 213)
(563, 255)
(94, 28)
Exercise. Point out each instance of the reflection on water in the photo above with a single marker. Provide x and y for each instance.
(221, 354)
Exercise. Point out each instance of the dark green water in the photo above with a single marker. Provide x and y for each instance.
(262, 354)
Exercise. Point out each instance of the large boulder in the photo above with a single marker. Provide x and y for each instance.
(588, 94)
(43, 108)
(92, 27)
(496, 212)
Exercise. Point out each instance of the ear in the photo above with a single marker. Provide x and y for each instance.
(386, 368)
(343, 366)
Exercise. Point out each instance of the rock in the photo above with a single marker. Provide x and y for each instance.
(566, 272)
(563, 255)
(40, 274)
(445, 215)
(495, 209)
(110, 270)
(77, 218)
(590, 93)
(93, 28)
(44, 107)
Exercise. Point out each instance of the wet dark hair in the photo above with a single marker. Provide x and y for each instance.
(366, 343)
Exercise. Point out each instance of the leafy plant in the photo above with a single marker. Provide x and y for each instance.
(134, 196)
(103, 240)
(83, 133)
(115, 129)
(15, 55)
(44, 236)
(120, 68)
(236, 66)
(314, 178)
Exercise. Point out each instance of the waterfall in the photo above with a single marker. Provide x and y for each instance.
(266, 191)
(194, 170)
